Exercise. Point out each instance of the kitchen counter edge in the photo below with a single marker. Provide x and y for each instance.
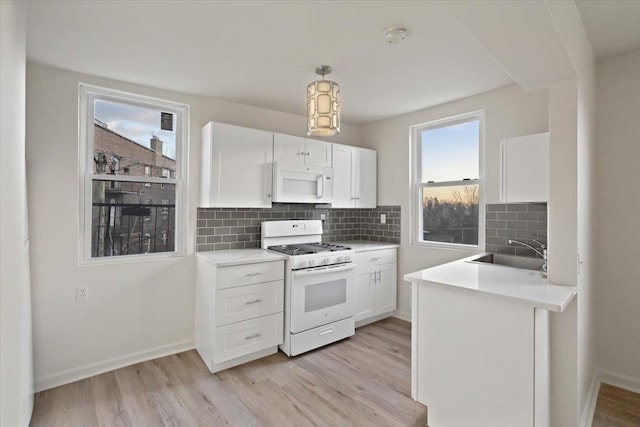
(505, 284)
(368, 245)
(239, 256)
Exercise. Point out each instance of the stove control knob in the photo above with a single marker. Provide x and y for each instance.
(340, 259)
(347, 257)
(302, 264)
(312, 262)
(326, 260)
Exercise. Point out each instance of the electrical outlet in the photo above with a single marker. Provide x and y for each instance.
(383, 219)
(323, 217)
(82, 293)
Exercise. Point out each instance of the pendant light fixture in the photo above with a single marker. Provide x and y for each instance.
(323, 105)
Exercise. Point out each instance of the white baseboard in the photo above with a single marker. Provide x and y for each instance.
(586, 418)
(402, 316)
(618, 380)
(71, 375)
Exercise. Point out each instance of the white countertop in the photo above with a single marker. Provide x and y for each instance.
(239, 256)
(519, 286)
(367, 245)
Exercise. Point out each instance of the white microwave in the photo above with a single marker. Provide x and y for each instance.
(294, 183)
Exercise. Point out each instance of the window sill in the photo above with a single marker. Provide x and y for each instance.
(128, 259)
(448, 246)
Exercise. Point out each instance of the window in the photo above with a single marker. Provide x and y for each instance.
(133, 151)
(447, 185)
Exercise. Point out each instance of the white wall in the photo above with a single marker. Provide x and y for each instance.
(136, 310)
(510, 112)
(563, 114)
(579, 188)
(617, 207)
(16, 362)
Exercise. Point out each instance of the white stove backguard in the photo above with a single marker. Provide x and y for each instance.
(291, 232)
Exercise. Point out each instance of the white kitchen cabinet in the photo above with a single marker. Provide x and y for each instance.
(478, 360)
(303, 151)
(474, 359)
(375, 285)
(239, 306)
(365, 295)
(236, 167)
(355, 177)
(524, 167)
(386, 288)
(480, 343)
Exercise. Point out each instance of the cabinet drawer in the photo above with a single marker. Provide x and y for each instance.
(242, 338)
(249, 274)
(365, 260)
(316, 337)
(246, 302)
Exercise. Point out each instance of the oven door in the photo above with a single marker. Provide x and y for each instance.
(321, 295)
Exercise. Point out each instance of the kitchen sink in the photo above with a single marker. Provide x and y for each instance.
(509, 261)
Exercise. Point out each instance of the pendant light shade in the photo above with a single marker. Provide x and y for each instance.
(323, 105)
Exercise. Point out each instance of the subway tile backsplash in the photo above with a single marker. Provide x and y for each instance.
(520, 221)
(238, 228)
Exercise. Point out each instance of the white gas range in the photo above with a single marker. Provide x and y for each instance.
(319, 281)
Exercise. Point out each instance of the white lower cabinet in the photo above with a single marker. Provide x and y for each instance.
(477, 360)
(386, 288)
(239, 312)
(365, 296)
(247, 302)
(376, 284)
(243, 338)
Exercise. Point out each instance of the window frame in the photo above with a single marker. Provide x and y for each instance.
(87, 95)
(417, 185)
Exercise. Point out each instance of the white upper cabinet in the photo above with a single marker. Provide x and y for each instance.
(303, 151)
(524, 174)
(355, 177)
(236, 167)
(366, 178)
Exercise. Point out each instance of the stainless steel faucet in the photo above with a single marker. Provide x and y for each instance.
(542, 254)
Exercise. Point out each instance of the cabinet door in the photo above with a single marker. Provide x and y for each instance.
(366, 178)
(365, 295)
(343, 176)
(237, 167)
(525, 169)
(475, 353)
(288, 149)
(317, 153)
(386, 288)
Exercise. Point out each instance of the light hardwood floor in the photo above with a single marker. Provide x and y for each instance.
(616, 407)
(360, 381)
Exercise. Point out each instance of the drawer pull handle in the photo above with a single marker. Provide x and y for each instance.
(250, 337)
(326, 331)
(254, 274)
(255, 301)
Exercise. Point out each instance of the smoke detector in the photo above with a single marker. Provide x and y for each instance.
(395, 35)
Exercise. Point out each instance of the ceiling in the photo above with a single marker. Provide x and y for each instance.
(263, 53)
(613, 27)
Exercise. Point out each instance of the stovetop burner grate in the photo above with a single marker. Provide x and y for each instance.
(307, 248)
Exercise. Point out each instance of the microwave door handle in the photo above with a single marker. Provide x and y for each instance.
(323, 270)
(320, 187)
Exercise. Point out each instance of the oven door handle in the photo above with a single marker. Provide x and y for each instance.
(323, 270)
